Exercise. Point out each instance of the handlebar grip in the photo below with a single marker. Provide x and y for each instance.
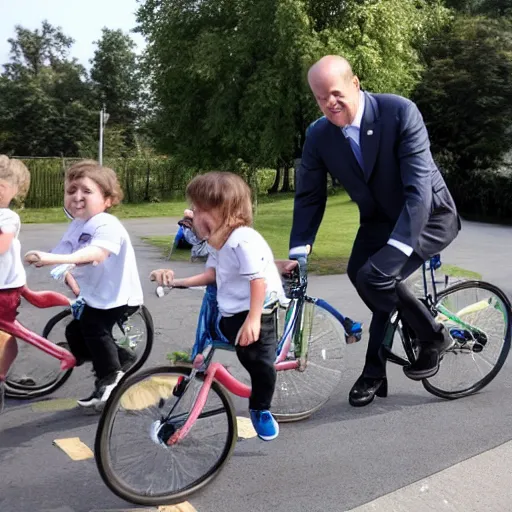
(303, 265)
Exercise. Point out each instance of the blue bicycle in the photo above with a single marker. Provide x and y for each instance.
(312, 338)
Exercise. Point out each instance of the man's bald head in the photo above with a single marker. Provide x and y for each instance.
(336, 89)
(330, 65)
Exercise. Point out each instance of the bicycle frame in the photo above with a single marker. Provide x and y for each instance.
(41, 300)
(293, 331)
(434, 264)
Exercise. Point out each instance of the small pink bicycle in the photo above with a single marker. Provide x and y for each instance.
(45, 299)
(33, 374)
(166, 432)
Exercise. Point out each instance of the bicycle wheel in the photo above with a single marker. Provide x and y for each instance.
(133, 461)
(136, 333)
(480, 328)
(299, 393)
(34, 373)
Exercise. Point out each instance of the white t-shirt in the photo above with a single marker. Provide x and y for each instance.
(245, 256)
(114, 282)
(12, 273)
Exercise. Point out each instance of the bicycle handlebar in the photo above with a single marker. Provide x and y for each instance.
(44, 299)
(301, 270)
(161, 290)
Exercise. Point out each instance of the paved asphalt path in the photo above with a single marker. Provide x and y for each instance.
(339, 459)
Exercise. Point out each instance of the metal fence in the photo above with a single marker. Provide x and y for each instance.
(141, 179)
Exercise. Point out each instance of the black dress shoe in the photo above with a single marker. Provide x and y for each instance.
(364, 390)
(427, 364)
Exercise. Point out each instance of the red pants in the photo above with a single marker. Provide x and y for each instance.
(9, 303)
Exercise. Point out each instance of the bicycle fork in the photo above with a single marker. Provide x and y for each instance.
(215, 371)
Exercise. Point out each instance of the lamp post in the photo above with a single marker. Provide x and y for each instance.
(103, 121)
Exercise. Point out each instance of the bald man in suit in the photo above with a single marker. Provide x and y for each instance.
(377, 147)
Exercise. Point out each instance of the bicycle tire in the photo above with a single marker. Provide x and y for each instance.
(20, 391)
(298, 394)
(135, 399)
(429, 384)
(150, 334)
(29, 391)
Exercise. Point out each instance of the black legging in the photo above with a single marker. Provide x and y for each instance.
(90, 338)
(257, 358)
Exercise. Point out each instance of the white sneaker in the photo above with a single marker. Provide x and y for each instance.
(103, 390)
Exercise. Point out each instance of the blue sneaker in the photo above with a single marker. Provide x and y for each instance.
(265, 425)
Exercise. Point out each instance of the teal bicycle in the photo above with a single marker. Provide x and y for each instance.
(477, 316)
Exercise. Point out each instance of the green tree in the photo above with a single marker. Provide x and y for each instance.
(491, 8)
(229, 76)
(45, 99)
(116, 79)
(466, 93)
(34, 50)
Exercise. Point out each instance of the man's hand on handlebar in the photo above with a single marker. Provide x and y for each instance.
(287, 267)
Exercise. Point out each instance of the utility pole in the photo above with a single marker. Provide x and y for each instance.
(103, 121)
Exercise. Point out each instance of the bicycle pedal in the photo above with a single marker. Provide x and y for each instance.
(180, 386)
(353, 330)
(353, 338)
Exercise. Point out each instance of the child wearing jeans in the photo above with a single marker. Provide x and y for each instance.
(14, 181)
(106, 273)
(242, 266)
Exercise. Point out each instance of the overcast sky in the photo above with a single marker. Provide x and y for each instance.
(80, 19)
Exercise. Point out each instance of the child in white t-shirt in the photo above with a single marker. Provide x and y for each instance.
(242, 265)
(14, 181)
(106, 273)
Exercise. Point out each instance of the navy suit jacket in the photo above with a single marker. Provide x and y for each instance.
(400, 189)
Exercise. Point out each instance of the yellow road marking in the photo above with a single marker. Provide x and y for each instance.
(473, 308)
(74, 448)
(245, 428)
(180, 507)
(55, 405)
(148, 392)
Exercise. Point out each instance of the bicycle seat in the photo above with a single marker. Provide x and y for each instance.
(45, 299)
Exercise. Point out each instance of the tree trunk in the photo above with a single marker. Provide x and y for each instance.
(296, 165)
(146, 192)
(286, 179)
(252, 180)
(275, 187)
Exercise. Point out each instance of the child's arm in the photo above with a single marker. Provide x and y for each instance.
(5, 241)
(250, 330)
(71, 282)
(90, 254)
(165, 277)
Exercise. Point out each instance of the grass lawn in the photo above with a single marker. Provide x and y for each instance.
(274, 221)
(123, 211)
(454, 271)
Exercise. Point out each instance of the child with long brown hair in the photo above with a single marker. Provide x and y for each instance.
(106, 273)
(242, 265)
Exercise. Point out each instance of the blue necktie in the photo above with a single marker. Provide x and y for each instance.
(357, 152)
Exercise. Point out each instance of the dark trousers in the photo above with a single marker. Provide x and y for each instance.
(384, 295)
(257, 358)
(90, 339)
